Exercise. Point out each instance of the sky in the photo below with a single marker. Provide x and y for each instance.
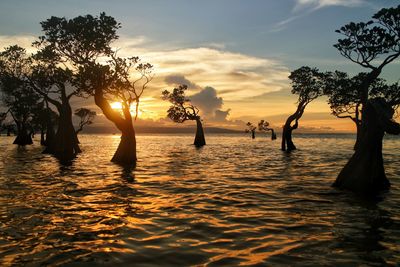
(234, 55)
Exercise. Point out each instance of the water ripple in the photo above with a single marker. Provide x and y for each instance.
(234, 202)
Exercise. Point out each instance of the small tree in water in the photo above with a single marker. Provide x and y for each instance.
(182, 110)
(307, 84)
(263, 126)
(251, 129)
(86, 117)
(372, 45)
(20, 99)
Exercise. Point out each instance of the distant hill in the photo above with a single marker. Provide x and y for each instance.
(161, 130)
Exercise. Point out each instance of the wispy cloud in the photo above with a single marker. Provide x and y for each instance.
(303, 8)
(317, 4)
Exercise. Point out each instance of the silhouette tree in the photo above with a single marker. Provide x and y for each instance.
(20, 99)
(86, 117)
(307, 83)
(251, 129)
(372, 45)
(263, 126)
(182, 110)
(81, 41)
(344, 95)
(123, 80)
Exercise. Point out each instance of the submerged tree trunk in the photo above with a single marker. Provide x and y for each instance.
(364, 173)
(287, 142)
(273, 134)
(199, 139)
(65, 144)
(42, 137)
(23, 136)
(126, 151)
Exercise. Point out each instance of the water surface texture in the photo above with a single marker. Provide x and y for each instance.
(234, 202)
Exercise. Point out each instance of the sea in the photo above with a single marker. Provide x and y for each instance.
(234, 202)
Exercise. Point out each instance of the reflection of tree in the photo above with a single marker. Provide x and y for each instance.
(361, 233)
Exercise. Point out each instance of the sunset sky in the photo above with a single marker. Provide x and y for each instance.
(234, 55)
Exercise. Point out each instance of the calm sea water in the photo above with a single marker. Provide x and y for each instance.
(234, 202)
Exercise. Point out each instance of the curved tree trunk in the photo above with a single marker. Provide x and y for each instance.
(364, 173)
(287, 142)
(199, 139)
(126, 151)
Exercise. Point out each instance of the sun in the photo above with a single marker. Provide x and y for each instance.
(118, 106)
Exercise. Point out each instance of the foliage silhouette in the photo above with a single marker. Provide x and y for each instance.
(86, 117)
(80, 42)
(372, 45)
(344, 96)
(182, 110)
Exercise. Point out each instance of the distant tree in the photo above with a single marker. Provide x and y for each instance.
(86, 117)
(182, 110)
(307, 83)
(250, 128)
(20, 99)
(372, 45)
(44, 120)
(263, 126)
(9, 127)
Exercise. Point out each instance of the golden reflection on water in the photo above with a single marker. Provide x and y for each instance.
(234, 202)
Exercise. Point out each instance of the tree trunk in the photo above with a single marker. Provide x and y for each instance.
(287, 142)
(23, 136)
(42, 137)
(65, 144)
(364, 173)
(358, 136)
(273, 134)
(50, 133)
(253, 134)
(126, 151)
(199, 139)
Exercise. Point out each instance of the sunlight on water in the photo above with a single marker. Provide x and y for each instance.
(233, 202)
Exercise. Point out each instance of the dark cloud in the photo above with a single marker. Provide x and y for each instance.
(210, 104)
(176, 79)
(220, 115)
(207, 100)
